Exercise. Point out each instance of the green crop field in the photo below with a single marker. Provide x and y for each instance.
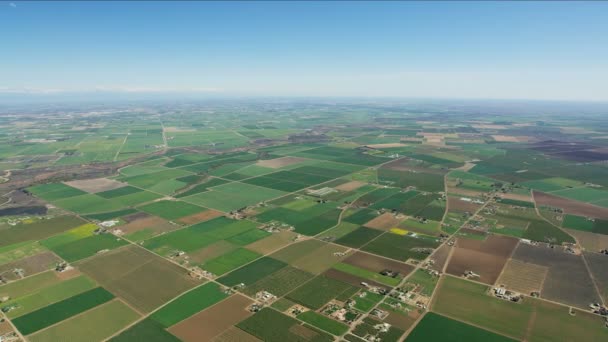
(171, 210)
(59, 311)
(270, 325)
(317, 292)
(252, 272)
(48, 295)
(188, 304)
(96, 324)
(323, 323)
(435, 327)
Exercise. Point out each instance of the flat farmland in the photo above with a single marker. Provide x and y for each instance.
(209, 323)
(567, 278)
(234, 334)
(486, 258)
(146, 227)
(322, 259)
(384, 222)
(232, 196)
(199, 235)
(377, 264)
(140, 278)
(59, 311)
(251, 273)
(29, 285)
(171, 210)
(88, 204)
(435, 327)
(146, 330)
(598, 265)
(49, 294)
(273, 326)
(570, 206)
(280, 282)
(38, 230)
(30, 265)
(189, 304)
(96, 185)
(317, 292)
(359, 237)
(470, 302)
(523, 277)
(94, 325)
(229, 261)
(400, 247)
(272, 242)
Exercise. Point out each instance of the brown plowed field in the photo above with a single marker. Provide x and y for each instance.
(567, 280)
(377, 264)
(210, 323)
(350, 186)
(598, 264)
(456, 204)
(486, 258)
(140, 278)
(96, 185)
(570, 206)
(590, 241)
(280, 162)
(30, 265)
(523, 277)
(234, 334)
(272, 242)
(136, 216)
(384, 222)
(441, 257)
(402, 321)
(200, 217)
(351, 279)
(154, 223)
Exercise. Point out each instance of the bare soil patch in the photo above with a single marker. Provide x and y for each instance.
(200, 217)
(322, 258)
(211, 251)
(5, 327)
(598, 264)
(377, 264)
(401, 321)
(385, 222)
(350, 186)
(351, 279)
(154, 223)
(140, 278)
(567, 280)
(570, 206)
(96, 185)
(523, 277)
(280, 162)
(518, 197)
(136, 216)
(210, 323)
(457, 204)
(272, 242)
(590, 241)
(30, 265)
(440, 257)
(234, 334)
(486, 258)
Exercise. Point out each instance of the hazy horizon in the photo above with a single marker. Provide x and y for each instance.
(471, 50)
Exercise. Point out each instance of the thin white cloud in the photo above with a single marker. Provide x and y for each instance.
(12, 4)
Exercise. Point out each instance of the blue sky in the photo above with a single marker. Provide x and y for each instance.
(536, 50)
